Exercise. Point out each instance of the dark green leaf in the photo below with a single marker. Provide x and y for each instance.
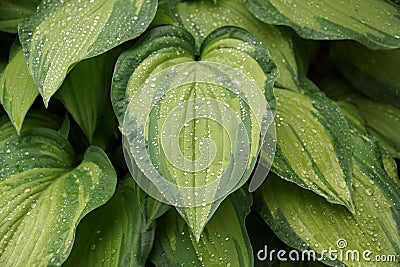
(3, 64)
(65, 127)
(368, 116)
(383, 122)
(224, 241)
(86, 89)
(114, 234)
(261, 236)
(374, 73)
(151, 208)
(12, 12)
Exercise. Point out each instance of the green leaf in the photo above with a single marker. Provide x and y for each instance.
(352, 115)
(390, 165)
(38, 118)
(62, 33)
(13, 12)
(224, 241)
(338, 88)
(17, 90)
(261, 236)
(65, 127)
(374, 23)
(3, 65)
(150, 207)
(153, 52)
(342, 92)
(313, 145)
(44, 194)
(107, 134)
(377, 119)
(383, 122)
(200, 18)
(114, 234)
(374, 73)
(35, 119)
(86, 89)
(166, 49)
(306, 221)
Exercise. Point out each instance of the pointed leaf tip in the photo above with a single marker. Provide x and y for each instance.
(98, 27)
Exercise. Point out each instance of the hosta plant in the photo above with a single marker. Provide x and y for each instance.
(199, 133)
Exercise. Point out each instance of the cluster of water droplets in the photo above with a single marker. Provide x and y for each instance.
(186, 124)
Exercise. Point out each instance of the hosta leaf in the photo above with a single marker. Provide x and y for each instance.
(306, 51)
(3, 64)
(201, 17)
(306, 221)
(136, 65)
(44, 194)
(12, 12)
(374, 23)
(35, 119)
(352, 115)
(85, 91)
(378, 119)
(383, 122)
(63, 33)
(313, 145)
(340, 91)
(390, 165)
(151, 208)
(114, 234)
(261, 236)
(17, 90)
(374, 73)
(39, 118)
(337, 88)
(65, 127)
(158, 66)
(224, 241)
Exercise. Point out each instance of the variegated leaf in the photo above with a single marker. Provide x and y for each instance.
(62, 33)
(45, 192)
(159, 67)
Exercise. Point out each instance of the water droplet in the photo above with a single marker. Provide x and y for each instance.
(369, 191)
